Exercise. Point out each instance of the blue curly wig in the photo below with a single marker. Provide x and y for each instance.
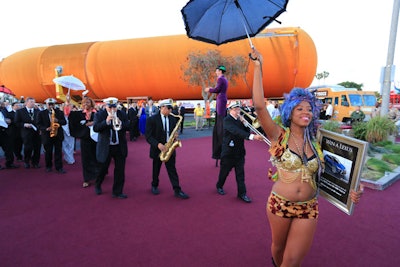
(294, 98)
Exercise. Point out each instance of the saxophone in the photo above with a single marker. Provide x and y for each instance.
(173, 142)
(53, 124)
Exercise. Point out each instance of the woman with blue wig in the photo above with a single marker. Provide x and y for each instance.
(292, 207)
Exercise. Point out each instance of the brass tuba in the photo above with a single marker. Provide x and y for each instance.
(173, 142)
(53, 124)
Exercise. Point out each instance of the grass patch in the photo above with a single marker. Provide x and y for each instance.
(391, 158)
(378, 165)
(395, 148)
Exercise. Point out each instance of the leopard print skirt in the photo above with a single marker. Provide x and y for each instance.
(284, 208)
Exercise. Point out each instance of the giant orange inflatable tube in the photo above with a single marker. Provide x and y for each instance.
(152, 66)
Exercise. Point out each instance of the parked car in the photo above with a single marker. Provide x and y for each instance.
(333, 164)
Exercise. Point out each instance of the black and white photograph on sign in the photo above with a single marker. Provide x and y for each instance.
(344, 157)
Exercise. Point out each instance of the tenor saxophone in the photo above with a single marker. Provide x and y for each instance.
(173, 142)
(53, 124)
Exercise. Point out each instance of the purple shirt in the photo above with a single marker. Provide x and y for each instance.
(221, 88)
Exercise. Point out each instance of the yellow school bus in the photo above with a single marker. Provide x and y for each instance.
(345, 100)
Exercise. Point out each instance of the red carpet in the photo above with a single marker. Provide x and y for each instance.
(50, 220)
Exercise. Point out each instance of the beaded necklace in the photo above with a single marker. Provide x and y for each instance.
(302, 152)
(305, 175)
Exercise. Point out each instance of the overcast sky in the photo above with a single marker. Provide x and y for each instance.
(351, 36)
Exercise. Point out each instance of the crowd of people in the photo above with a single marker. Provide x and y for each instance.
(292, 207)
(28, 129)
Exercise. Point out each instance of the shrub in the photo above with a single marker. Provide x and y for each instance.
(332, 126)
(378, 129)
(360, 130)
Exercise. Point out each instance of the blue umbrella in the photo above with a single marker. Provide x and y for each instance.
(222, 21)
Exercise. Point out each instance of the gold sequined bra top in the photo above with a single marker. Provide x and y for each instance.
(292, 165)
(294, 168)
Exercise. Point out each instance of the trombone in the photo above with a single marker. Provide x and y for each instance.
(254, 125)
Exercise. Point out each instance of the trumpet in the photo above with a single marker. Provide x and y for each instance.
(116, 122)
(253, 126)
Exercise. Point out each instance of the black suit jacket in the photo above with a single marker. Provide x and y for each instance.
(234, 135)
(103, 143)
(155, 133)
(12, 129)
(132, 115)
(22, 117)
(77, 124)
(182, 110)
(43, 122)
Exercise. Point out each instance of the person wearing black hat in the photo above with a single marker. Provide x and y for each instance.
(221, 88)
(111, 124)
(49, 122)
(233, 151)
(158, 128)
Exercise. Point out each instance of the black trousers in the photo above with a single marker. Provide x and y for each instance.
(90, 166)
(227, 163)
(32, 146)
(171, 169)
(7, 146)
(50, 145)
(17, 146)
(119, 170)
(217, 136)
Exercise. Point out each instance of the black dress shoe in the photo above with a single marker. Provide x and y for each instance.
(181, 194)
(1, 167)
(48, 169)
(245, 198)
(36, 166)
(12, 166)
(62, 171)
(220, 191)
(27, 165)
(155, 190)
(120, 196)
(97, 190)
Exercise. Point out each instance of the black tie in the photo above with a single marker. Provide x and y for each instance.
(113, 136)
(165, 127)
(31, 114)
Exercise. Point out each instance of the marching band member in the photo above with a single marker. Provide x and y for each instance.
(233, 150)
(49, 122)
(158, 130)
(25, 119)
(111, 125)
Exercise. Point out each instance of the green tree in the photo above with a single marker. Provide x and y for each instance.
(322, 75)
(199, 69)
(348, 84)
